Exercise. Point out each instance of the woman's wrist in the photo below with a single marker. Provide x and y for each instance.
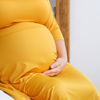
(64, 59)
(61, 50)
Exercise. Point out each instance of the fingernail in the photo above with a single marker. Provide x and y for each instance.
(51, 66)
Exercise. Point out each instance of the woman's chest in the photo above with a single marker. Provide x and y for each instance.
(12, 11)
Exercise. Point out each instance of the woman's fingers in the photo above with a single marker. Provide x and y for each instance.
(51, 75)
(52, 72)
(55, 64)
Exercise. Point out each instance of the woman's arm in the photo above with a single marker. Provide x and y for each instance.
(61, 61)
(54, 28)
(61, 49)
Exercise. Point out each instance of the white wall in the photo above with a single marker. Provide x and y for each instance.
(85, 38)
(53, 4)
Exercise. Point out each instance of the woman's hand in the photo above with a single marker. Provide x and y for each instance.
(56, 67)
(61, 60)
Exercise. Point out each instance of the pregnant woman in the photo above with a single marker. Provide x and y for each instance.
(33, 59)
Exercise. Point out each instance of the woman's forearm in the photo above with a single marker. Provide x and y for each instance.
(61, 49)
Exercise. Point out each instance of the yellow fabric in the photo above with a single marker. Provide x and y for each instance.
(28, 31)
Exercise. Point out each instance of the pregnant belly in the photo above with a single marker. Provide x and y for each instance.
(28, 47)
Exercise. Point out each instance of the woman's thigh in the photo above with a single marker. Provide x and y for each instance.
(70, 83)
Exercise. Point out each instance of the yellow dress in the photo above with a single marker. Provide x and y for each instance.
(28, 31)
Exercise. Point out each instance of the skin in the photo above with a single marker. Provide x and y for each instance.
(61, 60)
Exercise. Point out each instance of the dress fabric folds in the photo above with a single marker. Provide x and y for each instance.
(28, 31)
